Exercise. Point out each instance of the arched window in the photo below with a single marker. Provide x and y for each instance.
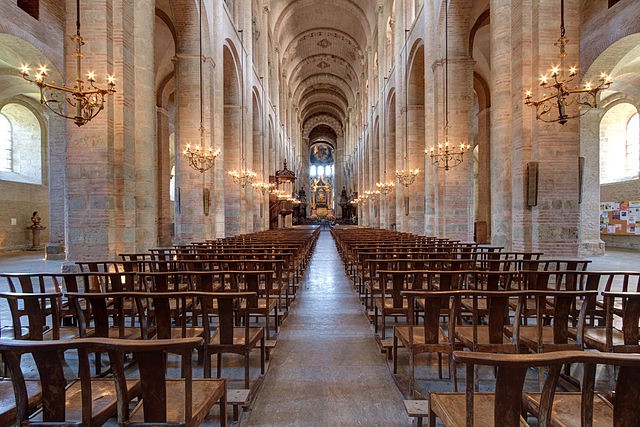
(633, 143)
(619, 144)
(6, 145)
(20, 144)
(313, 171)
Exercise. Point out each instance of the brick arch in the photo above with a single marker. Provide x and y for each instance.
(322, 119)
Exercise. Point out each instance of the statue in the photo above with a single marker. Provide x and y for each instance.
(344, 203)
(35, 220)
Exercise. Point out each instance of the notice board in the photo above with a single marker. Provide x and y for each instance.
(620, 218)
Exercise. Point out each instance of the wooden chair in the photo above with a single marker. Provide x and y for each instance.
(226, 337)
(262, 303)
(390, 301)
(41, 311)
(588, 408)
(621, 333)
(489, 311)
(551, 331)
(86, 401)
(505, 406)
(429, 337)
(165, 401)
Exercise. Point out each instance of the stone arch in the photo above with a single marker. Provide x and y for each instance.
(325, 119)
(621, 57)
(257, 155)
(389, 217)
(232, 135)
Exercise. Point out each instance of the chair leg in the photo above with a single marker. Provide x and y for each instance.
(440, 365)
(207, 364)
(375, 319)
(218, 364)
(223, 409)
(411, 375)
(395, 354)
(384, 324)
(246, 369)
(452, 372)
(262, 352)
(432, 418)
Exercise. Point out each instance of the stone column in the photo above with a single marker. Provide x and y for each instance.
(456, 184)
(163, 171)
(96, 166)
(57, 145)
(501, 120)
(189, 210)
(146, 177)
(590, 241)
(414, 221)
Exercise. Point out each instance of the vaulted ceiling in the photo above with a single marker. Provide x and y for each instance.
(323, 46)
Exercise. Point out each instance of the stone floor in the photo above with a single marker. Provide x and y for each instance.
(327, 369)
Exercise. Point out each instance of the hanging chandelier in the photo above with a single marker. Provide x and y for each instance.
(86, 98)
(446, 156)
(385, 187)
(264, 186)
(372, 195)
(562, 94)
(199, 158)
(242, 176)
(406, 176)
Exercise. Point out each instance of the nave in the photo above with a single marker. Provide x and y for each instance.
(327, 369)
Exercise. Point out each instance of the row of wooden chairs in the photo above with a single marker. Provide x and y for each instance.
(123, 301)
(155, 397)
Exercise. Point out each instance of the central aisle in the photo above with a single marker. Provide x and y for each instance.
(326, 369)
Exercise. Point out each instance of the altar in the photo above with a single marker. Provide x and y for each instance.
(322, 199)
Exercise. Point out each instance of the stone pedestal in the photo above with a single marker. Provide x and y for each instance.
(35, 238)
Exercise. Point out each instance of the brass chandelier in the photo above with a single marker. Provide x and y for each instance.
(199, 158)
(562, 94)
(385, 187)
(86, 98)
(446, 156)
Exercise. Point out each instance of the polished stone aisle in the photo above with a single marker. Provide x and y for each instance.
(326, 369)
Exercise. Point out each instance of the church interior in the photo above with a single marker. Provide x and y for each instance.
(383, 212)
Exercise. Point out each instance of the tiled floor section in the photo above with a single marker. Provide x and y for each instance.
(326, 369)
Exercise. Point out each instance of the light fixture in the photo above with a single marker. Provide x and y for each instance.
(242, 176)
(86, 98)
(406, 176)
(562, 94)
(447, 156)
(385, 187)
(263, 186)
